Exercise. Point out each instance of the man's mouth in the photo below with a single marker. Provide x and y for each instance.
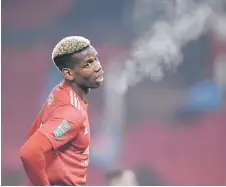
(100, 78)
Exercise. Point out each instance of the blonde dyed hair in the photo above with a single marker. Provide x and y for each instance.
(69, 45)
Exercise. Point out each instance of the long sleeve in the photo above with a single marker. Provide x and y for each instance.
(32, 154)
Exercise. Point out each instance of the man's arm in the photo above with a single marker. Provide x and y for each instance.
(58, 130)
(32, 154)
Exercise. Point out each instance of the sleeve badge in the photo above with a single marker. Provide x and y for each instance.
(61, 129)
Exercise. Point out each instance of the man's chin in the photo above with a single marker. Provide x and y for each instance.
(95, 86)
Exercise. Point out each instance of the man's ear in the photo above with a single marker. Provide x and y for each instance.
(68, 74)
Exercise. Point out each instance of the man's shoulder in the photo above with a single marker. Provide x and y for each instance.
(63, 110)
(60, 96)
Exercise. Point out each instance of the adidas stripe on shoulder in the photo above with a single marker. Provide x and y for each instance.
(75, 101)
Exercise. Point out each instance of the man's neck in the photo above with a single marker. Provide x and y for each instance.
(82, 92)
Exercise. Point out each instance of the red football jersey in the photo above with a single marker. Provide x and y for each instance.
(64, 121)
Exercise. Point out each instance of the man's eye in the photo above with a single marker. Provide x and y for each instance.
(87, 65)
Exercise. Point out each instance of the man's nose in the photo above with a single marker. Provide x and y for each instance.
(98, 66)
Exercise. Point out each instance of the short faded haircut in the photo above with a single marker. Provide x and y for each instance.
(63, 51)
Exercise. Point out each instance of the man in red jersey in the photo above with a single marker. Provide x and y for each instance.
(57, 148)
